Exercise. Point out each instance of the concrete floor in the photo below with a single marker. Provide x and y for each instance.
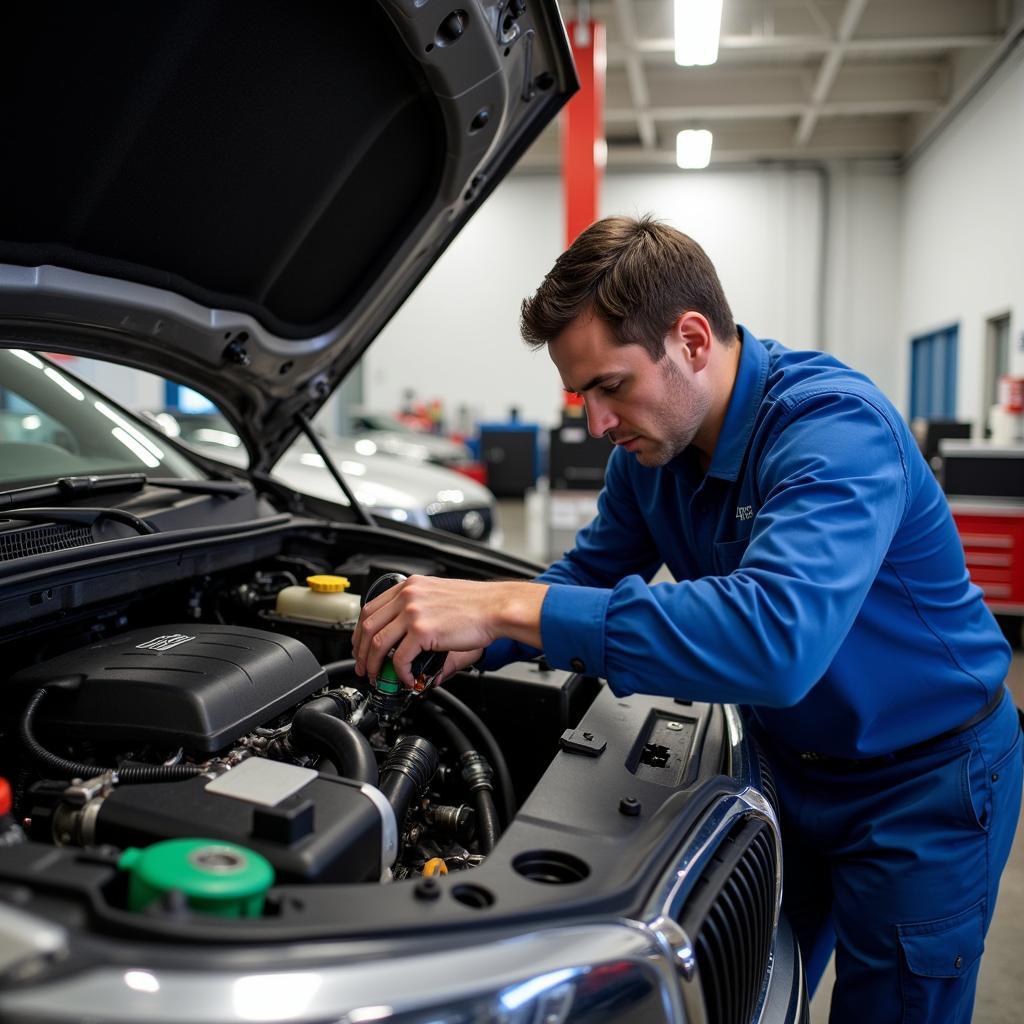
(1000, 998)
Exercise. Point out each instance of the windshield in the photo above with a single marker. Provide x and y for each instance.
(54, 425)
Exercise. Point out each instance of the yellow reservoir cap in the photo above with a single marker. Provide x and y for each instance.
(328, 584)
(435, 867)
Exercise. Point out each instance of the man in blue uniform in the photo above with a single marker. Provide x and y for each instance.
(821, 585)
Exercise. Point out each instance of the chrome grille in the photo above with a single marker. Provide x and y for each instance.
(768, 781)
(730, 914)
(475, 523)
(37, 540)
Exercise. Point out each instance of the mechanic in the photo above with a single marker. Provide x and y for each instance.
(821, 586)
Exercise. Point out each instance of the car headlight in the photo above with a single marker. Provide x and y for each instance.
(400, 515)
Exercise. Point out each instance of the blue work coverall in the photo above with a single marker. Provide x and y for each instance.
(821, 584)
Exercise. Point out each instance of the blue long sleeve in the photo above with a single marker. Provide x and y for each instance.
(834, 491)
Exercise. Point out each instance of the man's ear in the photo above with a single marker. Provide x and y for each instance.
(691, 335)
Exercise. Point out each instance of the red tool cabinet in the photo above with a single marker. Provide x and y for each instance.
(993, 538)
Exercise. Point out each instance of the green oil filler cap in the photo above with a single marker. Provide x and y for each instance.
(215, 877)
(387, 678)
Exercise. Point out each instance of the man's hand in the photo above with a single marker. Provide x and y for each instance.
(424, 613)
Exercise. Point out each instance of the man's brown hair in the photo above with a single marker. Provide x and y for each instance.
(636, 275)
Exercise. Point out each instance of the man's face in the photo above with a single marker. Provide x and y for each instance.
(652, 409)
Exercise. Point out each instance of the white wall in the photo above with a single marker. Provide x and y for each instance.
(457, 337)
(963, 234)
(864, 260)
(761, 230)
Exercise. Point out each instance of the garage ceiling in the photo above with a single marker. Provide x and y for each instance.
(796, 80)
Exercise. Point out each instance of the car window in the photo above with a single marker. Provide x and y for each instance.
(53, 424)
(191, 419)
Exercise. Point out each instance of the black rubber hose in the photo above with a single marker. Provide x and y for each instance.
(477, 773)
(480, 779)
(315, 728)
(129, 774)
(344, 669)
(487, 827)
(486, 743)
(456, 738)
(407, 772)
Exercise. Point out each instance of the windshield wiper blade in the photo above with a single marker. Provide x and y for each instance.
(85, 516)
(229, 488)
(72, 487)
(69, 487)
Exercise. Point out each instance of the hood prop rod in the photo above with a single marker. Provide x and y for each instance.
(307, 428)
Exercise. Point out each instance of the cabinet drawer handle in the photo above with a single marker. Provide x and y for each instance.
(986, 540)
(986, 558)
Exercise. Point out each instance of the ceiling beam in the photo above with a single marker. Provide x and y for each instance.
(635, 75)
(637, 158)
(829, 68)
(760, 111)
(796, 45)
(911, 44)
(824, 25)
(1013, 37)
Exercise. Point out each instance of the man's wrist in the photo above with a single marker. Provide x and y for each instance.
(518, 612)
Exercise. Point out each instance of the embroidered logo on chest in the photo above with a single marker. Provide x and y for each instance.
(744, 512)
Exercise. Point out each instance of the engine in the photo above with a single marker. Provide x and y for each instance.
(237, 735)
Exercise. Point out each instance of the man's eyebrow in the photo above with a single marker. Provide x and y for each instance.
(592, 383)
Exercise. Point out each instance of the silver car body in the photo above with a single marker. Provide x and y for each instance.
(390, 436)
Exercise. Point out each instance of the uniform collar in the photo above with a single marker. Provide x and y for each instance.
(747, 394)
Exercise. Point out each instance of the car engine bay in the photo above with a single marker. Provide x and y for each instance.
(181, 705)
(150, 724)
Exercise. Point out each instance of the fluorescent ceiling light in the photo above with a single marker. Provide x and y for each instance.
(64, 383)
(698, 26)
(28, 358)
(143, 454)
(693, 149)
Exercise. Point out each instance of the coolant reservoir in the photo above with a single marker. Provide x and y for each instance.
(323, 600)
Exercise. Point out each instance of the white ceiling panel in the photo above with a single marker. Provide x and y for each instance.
(795, 79)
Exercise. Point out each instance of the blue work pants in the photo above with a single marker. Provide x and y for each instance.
(897, 868)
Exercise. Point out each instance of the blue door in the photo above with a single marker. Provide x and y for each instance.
(933, 375)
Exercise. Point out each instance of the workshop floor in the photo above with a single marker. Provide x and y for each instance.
(1001, 985)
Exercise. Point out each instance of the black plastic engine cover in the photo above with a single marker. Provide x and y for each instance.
(329, 830)
(192, 685)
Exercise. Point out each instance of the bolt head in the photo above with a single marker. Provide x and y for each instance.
(427, 889)
(630, 806)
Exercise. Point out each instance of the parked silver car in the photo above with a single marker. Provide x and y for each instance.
(388, 434)
(206, 816)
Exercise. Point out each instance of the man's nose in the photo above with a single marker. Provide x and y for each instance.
(600, 420)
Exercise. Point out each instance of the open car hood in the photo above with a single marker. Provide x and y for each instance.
(239, 197)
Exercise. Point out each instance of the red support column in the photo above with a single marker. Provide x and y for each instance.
(583, 144)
